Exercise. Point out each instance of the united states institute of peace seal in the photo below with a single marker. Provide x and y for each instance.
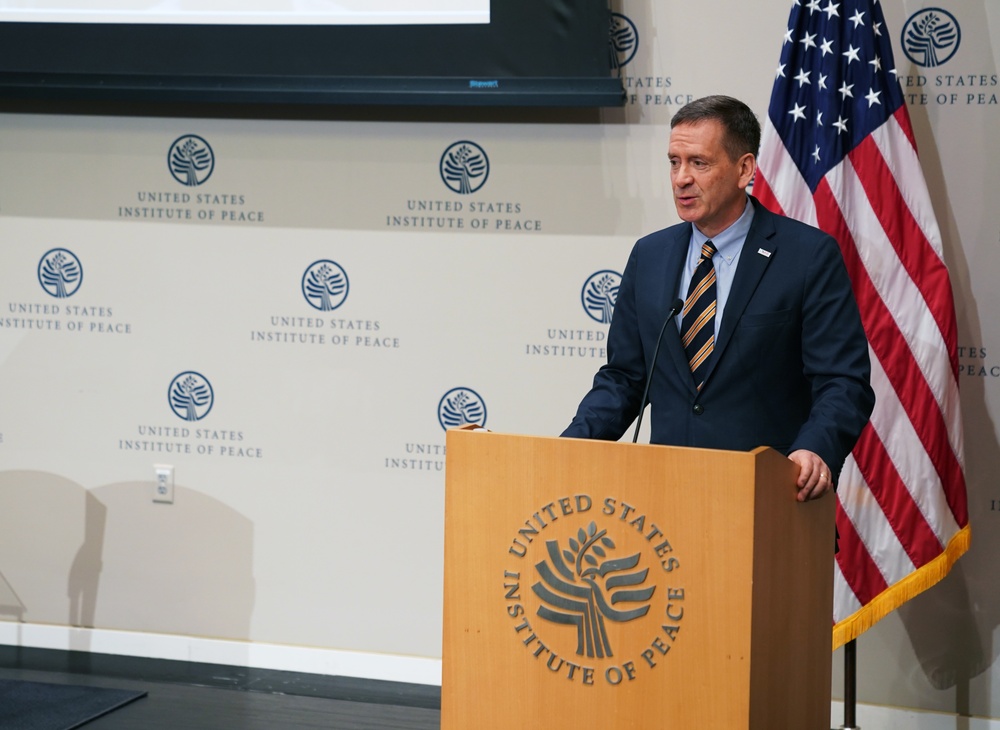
(594, 589)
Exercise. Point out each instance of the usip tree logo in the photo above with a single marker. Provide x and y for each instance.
(461, 407)
(607, 569)
(581, 585)
(191, 160)
(931, 37)
(325, 285)
(60, 273)
(191, 396)
(464, 167)
(599, 295)
(624, 40)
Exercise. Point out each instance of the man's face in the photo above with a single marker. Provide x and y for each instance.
(708, 186)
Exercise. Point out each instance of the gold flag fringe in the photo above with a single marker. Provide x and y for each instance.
(902, 591)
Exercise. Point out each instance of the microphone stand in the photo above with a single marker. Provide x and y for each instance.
(676, 307)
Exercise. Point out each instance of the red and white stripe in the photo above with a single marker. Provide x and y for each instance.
(902, 513)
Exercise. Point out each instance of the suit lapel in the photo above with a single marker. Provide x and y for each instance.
(677, 249)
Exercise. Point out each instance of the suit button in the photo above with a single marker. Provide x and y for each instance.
(698, 409)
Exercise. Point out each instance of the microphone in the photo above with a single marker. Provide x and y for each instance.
(676, 307)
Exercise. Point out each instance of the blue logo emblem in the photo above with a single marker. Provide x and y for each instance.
(600, 292)
(325, 285)
(60, 273)
(464, 167)
(191, 396)
(624, 40)
(460, 407)
(191, 160)
(931, 37)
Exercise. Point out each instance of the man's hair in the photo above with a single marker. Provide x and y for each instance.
(742, 130)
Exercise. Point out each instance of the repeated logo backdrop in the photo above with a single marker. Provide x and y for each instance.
(291, 314)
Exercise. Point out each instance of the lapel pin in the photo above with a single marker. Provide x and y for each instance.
(765, 254)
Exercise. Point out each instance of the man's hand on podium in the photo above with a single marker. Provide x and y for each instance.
(814, 479)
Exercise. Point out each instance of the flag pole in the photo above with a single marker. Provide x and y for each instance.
(850, 685)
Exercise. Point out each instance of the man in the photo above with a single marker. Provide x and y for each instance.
(780, 358)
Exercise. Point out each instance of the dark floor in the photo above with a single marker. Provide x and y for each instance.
(189, 696)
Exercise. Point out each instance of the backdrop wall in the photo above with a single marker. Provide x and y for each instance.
(326, 296)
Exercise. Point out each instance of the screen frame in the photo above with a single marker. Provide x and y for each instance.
(532, 53)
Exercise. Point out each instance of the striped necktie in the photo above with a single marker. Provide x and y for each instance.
(698, 322)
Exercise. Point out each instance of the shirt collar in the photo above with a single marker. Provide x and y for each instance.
(729, 242)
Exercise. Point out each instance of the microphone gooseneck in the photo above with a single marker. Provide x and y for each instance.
(676, 307)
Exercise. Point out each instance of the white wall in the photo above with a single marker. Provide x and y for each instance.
(314, 537)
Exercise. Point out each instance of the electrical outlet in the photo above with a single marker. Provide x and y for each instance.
(163, 487)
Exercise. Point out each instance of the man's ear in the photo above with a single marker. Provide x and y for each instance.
(748, 167)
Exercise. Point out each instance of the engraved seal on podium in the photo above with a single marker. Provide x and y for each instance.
(593, 589)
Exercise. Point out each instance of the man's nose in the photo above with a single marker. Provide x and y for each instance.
(681, 175)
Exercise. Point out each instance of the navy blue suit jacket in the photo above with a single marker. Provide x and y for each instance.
(790, 368)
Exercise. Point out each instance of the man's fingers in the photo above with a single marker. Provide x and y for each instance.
(815, 478)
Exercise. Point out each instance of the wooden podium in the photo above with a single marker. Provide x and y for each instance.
(595, 584)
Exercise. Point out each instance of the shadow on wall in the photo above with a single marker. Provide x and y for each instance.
(110, 558)
(951, 625)
(85, 572)
(10, 603)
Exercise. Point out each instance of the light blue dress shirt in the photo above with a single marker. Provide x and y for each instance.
(729, 245)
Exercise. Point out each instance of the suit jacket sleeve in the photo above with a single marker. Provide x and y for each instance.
(835, 360)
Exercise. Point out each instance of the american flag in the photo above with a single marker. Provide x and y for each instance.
(838, 152)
